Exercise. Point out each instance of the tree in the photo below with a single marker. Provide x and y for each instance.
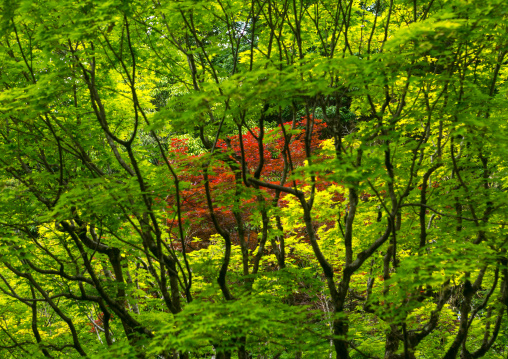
(345, 163)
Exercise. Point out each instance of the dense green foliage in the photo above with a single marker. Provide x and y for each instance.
(264, 179)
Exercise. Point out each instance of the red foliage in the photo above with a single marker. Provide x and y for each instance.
(99, 322)
(195, 211)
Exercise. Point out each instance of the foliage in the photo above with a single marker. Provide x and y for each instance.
(266, 179)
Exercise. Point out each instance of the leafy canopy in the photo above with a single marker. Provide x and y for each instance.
(280, 179)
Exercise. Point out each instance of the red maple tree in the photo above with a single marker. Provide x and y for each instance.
(283, 150)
